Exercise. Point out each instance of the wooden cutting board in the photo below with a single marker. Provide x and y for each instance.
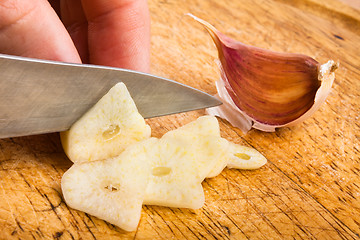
(310, 187)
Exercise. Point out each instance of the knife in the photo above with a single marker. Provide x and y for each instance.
(40, 96)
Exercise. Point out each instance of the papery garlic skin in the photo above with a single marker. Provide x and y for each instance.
(267, 89)
(327, 77)
(228, 110)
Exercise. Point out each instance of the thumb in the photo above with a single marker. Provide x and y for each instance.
(32, 29)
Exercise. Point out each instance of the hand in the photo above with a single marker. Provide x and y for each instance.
(105, 32)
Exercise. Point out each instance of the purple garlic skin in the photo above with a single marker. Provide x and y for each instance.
(270, 89)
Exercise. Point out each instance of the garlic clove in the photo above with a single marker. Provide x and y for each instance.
(269, 89)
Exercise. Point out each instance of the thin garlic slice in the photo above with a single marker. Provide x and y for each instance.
(242, 157)
(210, 148)
(174, 180)
(110, 126)
(111, 189)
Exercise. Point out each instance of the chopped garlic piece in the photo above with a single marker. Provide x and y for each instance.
(210, 151)
(174, 180)
(204, 126)
(112, 189)
(210, 148)
(242, 157)
(111, 125)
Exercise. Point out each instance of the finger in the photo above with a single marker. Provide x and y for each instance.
(118, 33)
(55, 4)
(73, 17)
(32, 29)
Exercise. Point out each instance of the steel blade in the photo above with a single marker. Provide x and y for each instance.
(38, 96)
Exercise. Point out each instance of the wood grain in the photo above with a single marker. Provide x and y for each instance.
(310, 188)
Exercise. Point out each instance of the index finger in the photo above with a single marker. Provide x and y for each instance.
(118, 33)
(32, 29)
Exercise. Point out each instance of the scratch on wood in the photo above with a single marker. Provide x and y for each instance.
(88, 228)
(57, 235)
(206, 229)
(155, 228)
(235, 224)
(182, 233)
(164, 221)
(337, 220)
(213, 222)
(19, 225)
(91, 220)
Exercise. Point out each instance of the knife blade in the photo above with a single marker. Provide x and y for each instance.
(40, 96)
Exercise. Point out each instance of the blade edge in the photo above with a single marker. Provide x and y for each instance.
(78, 87)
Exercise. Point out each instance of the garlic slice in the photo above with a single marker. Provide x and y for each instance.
(242, 157)
(265, 89)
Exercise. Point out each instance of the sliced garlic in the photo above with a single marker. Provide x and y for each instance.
(110, 126)
(111, 189)
(183, 158)
(165, 172)
(202, 136)
(242, 157)
(203, 126)
(174, 180)
(269, 89)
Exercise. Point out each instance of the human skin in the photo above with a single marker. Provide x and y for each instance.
(104, 32)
